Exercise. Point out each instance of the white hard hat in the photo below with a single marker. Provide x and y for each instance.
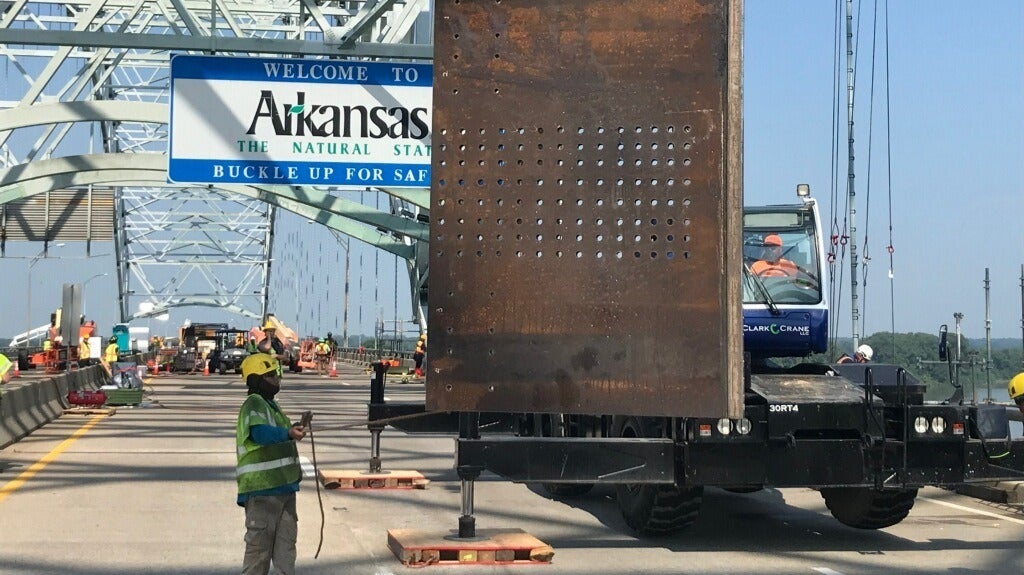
(866, 351)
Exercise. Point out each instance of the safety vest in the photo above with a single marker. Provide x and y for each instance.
(83, 349)
(110, 354)
(323, 349)
(263, 467)
(781, 268)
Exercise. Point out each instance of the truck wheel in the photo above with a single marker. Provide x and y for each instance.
(653, 510)
(867, 508)
(223, 368)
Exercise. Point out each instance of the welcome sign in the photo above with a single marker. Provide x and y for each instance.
(299, 122)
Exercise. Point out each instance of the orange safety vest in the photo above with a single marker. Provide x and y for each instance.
(781, 268)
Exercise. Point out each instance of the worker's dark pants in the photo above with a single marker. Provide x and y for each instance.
(271, 529)
(418, 358)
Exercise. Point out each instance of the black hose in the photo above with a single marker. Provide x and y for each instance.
(316, 479)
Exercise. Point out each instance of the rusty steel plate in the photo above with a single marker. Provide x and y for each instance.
(584, 208)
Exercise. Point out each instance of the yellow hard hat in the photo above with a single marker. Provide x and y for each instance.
(1016, 387)
(5, 364)
(259, 364)
(268, 325)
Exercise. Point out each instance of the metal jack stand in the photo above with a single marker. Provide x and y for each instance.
(469, 428)
(376, 398)
(486, 546)
(374, 477)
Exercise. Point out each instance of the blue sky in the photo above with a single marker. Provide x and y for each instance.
(957, 150)
(957, 146)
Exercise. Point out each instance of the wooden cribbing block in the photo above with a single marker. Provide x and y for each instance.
(417, 548)
(352, 479)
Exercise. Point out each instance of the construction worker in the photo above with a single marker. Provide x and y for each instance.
(268, 471)
(110, 352)
(322, 352)
(251, 346)
(109, 355)
(1016, 389)
(83, 352)
(773, 264)
(272, 345)
(419, 353)
(6, 369)
(863, 354)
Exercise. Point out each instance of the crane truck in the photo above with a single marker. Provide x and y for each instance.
(590, 279)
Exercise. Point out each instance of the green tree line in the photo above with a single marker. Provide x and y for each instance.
(919, 354)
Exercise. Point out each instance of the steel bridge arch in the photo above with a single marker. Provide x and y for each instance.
(26, 180)
(315, 205)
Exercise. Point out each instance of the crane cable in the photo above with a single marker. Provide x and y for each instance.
(888, 139)
(866, 253)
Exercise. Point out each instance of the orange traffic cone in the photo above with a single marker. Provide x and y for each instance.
(17, 370)
(206, 368)
(334, 369)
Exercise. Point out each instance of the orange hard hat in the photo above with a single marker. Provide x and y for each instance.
(772, 240)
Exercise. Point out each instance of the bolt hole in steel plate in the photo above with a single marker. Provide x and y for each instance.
(581, 215)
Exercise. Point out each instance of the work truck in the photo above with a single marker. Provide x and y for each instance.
(592, 282)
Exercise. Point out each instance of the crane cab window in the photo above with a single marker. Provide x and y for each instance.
(780, 257)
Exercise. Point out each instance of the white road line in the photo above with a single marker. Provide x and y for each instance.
(308, 471)
(827, 571)
(977, 511)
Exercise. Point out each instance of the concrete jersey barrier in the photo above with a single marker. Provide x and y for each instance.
(28, 405)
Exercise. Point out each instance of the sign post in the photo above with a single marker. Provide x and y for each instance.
(299, 122)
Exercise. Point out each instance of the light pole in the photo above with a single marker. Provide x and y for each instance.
(28, 306)
(85, 283)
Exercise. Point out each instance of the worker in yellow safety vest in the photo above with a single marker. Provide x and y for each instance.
(268, 470)
(6, 369)
(83, 351)
(110, 353)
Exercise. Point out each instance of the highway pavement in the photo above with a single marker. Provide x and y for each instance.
(151, 490)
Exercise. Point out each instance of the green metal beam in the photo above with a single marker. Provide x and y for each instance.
(419, 197)
(21, 181)
(82, 111)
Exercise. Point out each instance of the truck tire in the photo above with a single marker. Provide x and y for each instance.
(223, 368)
(867, 508)
(655, 510)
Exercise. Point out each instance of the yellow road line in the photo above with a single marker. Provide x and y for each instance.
(38, 466)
